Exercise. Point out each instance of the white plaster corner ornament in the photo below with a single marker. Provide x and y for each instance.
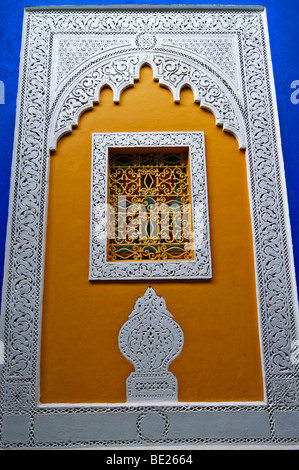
(223, 55)
(151, 339)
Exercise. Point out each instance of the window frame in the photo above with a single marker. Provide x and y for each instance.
(99, 267)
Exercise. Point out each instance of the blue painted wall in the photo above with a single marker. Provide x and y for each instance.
(283, 16)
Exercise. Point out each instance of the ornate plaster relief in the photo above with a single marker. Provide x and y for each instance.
(121, 67)
(151, 339)
(108, 46)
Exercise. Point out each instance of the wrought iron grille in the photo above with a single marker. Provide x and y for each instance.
(150, 216)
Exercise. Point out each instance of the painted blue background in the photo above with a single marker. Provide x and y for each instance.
(283, 21)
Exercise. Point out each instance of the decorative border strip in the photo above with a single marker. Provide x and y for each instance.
(24, 423)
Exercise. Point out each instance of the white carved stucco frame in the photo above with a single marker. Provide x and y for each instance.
(244, 105)
(200, 267)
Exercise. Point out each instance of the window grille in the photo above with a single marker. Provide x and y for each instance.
(150, 205)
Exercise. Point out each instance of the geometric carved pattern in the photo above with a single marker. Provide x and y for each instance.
(151, 339)
(285, 390)
(243, 103)
(17, 397)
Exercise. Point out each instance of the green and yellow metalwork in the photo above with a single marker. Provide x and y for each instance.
(150, 205)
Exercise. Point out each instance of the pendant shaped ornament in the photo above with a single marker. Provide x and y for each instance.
(151, 339)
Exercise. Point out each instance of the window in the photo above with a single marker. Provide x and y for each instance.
(149, 207)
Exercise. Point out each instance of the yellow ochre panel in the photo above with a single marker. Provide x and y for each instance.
(80, 358)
